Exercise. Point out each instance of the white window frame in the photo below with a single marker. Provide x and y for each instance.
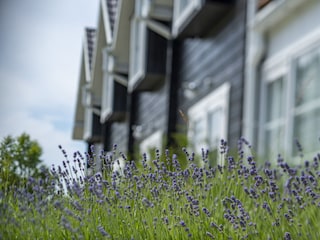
(88, 121)
(157, 9)
(151, 142)
(108, 87)
(87, 104)
(272, 72)
(219, 98)
(107, 97)
(86, 95)
(138, 39)
(284, 63)
(306, 107)
(180, 18)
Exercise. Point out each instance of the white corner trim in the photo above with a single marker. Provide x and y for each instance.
(255, 49)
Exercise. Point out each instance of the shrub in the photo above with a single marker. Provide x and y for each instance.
(19, 159)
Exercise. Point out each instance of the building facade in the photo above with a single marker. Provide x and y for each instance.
(205, 70)
(283, 77)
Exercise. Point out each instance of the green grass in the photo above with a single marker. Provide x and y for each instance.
(157, 203)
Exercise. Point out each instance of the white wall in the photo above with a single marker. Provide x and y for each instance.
(300, 23)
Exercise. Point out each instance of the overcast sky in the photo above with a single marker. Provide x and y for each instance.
(40, 47)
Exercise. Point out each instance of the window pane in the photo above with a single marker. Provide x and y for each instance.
(110, 92)
(307, 131)
(275, 100)
(274, 143)
(214, 128)
(307, 78)
(199, 135)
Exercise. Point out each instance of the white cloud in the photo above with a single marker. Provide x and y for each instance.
(44, 131)
(39, 69)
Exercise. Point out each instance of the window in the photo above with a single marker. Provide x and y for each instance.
(147, 53)
(137, 47)
(138, 31)
(214, 126)
(307, 101)
(291, 105)
(273, 129)
(114, 94)
(194, 18)
(182, 11)
(208, 120)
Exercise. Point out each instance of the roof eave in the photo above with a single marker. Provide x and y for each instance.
(77, 132)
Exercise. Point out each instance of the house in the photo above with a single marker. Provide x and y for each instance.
(87, 124)
(203, 69)
(282, 97)
(164, 67)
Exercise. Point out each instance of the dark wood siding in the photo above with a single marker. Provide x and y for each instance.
(119, 135)
(152, 110)
(96, 129)
(220, 57)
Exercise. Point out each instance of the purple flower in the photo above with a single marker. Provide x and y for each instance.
(166, 220)
(147, 202)
(103, 231)
(272, 195)
(182, 223)
(206, 211)
(210, 235)
(287, 236)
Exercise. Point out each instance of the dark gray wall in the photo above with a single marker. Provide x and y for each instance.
(152, 110)
(149, 110)
(219, 56)
(118, 134)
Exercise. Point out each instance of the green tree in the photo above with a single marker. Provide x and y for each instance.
(19, 159)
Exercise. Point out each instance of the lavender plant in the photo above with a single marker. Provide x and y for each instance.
(159, 199)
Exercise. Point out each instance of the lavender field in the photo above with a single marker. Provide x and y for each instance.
(158, 199)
